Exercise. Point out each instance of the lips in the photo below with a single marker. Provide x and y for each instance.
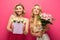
(19, 11)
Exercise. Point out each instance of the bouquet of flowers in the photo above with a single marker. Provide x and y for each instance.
(45, 19)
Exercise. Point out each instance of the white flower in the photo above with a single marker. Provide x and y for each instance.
(46, 16)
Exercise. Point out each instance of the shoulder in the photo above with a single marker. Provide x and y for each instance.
(12, 17)
(26, 19)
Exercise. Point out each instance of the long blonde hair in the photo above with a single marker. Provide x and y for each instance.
(32, 15)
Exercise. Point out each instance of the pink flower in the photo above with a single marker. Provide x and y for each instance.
(46, 16)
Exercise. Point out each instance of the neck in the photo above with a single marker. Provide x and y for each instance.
(35, 16)
(35, 19)
(20, 16)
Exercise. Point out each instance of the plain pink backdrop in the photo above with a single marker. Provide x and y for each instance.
(48, 6)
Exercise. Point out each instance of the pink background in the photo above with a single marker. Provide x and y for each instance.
(48, 6)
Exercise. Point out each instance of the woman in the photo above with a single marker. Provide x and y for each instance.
(18, 24)
(36, 25)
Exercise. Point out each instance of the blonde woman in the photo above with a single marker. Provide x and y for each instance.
(36, 25)
(18, 24)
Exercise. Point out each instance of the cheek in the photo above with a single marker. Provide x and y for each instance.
(21, 9)
(38, 11)
(16, 11)
(34, 11)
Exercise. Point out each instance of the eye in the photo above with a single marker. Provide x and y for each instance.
(34, 8)
(20, 8)
(16, 8)
(38, 9)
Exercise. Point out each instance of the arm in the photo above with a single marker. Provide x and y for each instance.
(31, 30)
(45, 29)
(39, 34)
(9, 24)
(26, 28)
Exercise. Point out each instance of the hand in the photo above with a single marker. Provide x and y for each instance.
(10, 30)
(39, 34)
(25, 32)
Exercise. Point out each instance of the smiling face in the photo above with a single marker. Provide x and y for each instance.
(19, 9)
(36, 10)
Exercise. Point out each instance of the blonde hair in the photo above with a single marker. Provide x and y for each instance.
(40, 10)
(32, 15)
(23, 12)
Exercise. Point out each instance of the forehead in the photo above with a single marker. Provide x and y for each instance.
(36, 7)
(19, 7)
